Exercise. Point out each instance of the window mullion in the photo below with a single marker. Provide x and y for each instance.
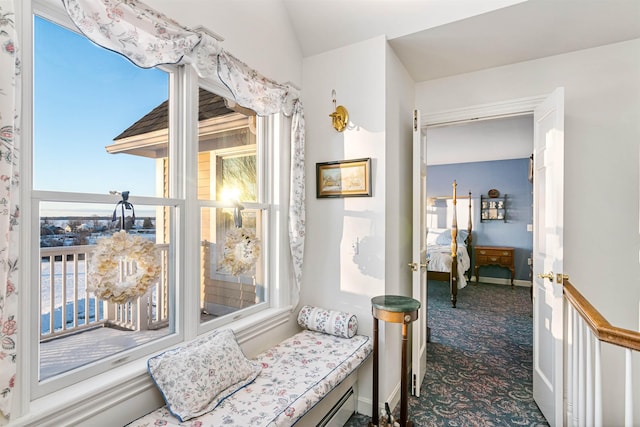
(190, 291)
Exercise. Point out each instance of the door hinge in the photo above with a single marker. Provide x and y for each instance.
(415, 120)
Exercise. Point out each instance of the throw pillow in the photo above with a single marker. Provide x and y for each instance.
(195, 378)
(330, 322)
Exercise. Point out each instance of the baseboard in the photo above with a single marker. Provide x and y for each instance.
(502, 281)
(364, 404)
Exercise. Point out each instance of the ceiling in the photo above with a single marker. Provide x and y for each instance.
(438, 38)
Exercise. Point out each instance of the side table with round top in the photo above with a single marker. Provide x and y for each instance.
(393, 309)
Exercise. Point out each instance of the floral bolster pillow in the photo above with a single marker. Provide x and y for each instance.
(195, 378)
(330, 322)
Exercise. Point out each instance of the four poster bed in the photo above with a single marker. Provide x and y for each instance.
(449, 251)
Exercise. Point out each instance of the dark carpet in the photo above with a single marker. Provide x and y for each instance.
(479, 361)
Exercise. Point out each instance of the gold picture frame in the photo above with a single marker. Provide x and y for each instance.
(344, 178)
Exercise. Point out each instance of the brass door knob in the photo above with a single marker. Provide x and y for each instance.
(549, 276)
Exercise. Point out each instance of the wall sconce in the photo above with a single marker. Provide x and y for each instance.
(340, 117)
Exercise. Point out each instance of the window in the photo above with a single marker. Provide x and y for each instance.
(231, 215)
(103, 126)
(81, 107)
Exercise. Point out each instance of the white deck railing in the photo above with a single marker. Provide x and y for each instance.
(585, 331)
(67, 307)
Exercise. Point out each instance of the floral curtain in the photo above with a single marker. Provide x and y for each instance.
(148, 38)
(10, 93)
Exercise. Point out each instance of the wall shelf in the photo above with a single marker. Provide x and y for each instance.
(493, 208)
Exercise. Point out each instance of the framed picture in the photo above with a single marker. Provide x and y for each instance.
(344, 178)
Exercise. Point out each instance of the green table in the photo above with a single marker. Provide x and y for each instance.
(393, 309)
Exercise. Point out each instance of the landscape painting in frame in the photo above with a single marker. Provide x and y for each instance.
(344, 178)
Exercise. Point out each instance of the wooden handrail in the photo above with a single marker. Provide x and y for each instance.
(601, 328)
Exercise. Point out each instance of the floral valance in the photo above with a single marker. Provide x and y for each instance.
(149, 38)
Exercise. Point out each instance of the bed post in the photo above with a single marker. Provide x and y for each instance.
(454, 250)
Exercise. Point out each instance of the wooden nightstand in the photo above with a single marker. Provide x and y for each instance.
(494, 255)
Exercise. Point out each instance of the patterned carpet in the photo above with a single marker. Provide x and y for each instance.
(479, 361)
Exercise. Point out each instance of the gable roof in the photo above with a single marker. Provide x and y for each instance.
(209, 106)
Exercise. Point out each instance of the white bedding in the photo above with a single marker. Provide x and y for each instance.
(439, 257)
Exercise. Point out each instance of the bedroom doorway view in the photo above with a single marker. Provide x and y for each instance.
(491, 160)
(483, 157)
(489, 150)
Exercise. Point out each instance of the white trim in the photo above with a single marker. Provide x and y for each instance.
(205, 30)
(54, 11)
(493, 110)
(500, 281)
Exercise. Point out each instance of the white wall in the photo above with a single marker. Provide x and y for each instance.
(334, 276)
(378, 93)
(602, 136)
(258, 33)
(399, 101)
(399, 153)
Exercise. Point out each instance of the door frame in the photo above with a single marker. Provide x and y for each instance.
(420, 334)
(496, 110)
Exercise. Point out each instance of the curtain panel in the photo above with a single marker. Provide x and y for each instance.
(10, 95)
(149, 38)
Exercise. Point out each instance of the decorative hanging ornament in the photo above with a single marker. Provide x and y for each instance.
(241, 251)
(123, 266)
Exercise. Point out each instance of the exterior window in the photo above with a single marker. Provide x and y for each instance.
(103, 126)
(81, 106)
(83, 112)
(231, 216)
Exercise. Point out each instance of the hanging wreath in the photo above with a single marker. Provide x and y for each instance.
(122, 267)
(241, 251)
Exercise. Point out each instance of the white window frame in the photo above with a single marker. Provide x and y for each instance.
(178, 235)
(124, 373)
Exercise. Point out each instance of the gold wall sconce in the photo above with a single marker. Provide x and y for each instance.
(340, 117)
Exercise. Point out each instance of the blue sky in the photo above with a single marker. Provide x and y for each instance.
(84, 96)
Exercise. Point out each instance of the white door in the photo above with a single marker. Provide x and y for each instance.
(548, 157)
(419, 256)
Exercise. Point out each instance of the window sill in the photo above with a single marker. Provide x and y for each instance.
(84, 400)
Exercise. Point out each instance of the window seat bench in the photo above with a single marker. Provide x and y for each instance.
(297, 374)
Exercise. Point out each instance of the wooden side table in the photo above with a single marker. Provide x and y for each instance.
(501, 256)
(394, 309)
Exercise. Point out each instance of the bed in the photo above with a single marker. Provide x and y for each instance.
(449, 250)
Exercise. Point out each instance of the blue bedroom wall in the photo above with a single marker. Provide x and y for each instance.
(510, 177)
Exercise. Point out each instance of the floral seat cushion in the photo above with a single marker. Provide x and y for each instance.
(296, 374)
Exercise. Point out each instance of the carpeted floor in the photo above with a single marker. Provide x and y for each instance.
(479, 361)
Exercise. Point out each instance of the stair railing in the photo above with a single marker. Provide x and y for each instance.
(585, 330)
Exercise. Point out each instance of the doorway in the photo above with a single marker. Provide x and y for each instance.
(548, 142)
(489, 159)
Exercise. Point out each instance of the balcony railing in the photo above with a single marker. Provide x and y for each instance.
(66, 306)
(585, 330)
